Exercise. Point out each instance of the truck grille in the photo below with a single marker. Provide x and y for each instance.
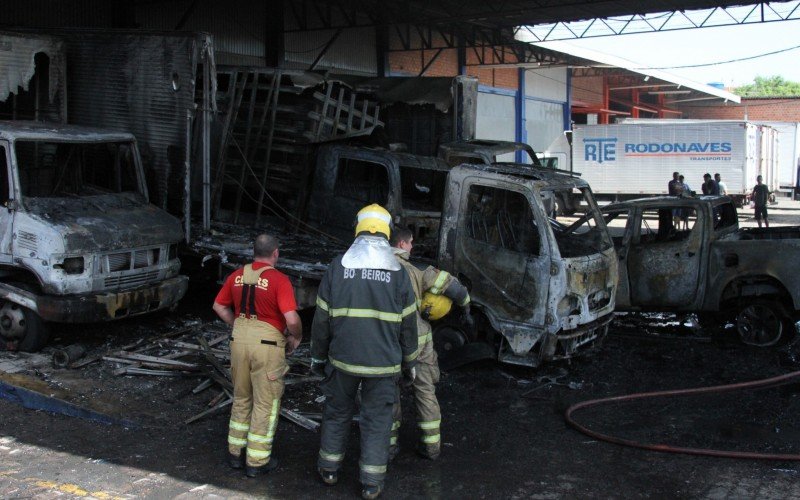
(138, 258)
(119, 261)
(131, 280)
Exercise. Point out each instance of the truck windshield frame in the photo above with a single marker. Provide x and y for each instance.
(423, 189)
(74, 169)
(582, 233)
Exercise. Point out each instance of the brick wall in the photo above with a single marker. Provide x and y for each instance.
(411, 62)
(766, 109)
(588, 89)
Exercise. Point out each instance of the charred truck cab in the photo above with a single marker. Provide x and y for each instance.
(79, 241)
(543, 284)
(546, 283)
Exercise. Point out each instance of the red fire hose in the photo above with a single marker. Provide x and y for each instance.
(773, 381)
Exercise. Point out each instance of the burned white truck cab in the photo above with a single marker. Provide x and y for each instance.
(542, 284)
(79, 241)
(545, 282)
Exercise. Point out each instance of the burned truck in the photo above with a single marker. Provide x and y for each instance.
(689, 255)
(543, 284)
(79, 241)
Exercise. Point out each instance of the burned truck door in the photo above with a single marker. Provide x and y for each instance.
(501, 251)
(620, 225)
(665, 256)
(6, 214)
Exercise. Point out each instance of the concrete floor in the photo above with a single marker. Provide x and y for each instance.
(502, 438)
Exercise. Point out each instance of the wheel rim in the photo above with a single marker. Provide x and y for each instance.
(12, 322)
(759, 325)
(447, 340)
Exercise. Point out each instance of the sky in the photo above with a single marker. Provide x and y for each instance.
(667, 49)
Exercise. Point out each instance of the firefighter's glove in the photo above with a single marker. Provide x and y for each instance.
(318, 369)
(409, 375)
(426, 313)
(466, 318)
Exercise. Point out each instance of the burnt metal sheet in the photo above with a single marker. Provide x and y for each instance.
(143, 83)
(410, 90)
(18, 66)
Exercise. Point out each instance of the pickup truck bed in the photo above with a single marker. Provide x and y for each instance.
(769, 233)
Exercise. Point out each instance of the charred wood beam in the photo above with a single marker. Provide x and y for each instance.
(299, 419)
(216, 408)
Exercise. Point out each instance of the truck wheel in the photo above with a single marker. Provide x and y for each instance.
(21, 329)
(447, 340)
(760, 322)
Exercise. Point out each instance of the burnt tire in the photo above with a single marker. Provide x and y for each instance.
(447, 340)
(760, 322)
(21, 329)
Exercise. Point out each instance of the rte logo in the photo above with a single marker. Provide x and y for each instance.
(600, 150)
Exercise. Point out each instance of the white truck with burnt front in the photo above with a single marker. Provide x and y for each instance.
(79, 241)
(542, 285)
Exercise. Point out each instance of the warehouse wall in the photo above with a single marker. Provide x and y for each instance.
(237, 39)
(779, 109)
(587, 90)
(496, 116)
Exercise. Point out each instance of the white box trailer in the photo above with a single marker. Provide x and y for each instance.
(628, 160)
(788, 156)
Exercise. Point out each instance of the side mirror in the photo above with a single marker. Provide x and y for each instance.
(12, 205)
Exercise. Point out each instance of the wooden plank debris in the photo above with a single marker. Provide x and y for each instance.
(209, 411)
(200, 350)
(299, 419)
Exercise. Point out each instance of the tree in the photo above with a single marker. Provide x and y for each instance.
(773, 86)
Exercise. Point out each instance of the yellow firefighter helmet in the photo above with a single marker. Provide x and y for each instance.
(373, 219)
(436, 306)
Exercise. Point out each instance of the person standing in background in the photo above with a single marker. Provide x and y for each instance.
(760, 197)
(723, 188)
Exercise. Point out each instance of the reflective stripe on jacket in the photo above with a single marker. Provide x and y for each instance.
(365, 322)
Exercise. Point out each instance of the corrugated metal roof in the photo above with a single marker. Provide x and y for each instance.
(239, 26)
(619, 62)
(353, 50)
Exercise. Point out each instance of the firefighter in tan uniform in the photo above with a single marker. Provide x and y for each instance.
(438, 283)
(258, 301)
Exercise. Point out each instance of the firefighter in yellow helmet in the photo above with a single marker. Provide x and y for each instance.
(364, 333)
(438, 290)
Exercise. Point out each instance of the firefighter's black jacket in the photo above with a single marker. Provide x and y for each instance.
(365, 323)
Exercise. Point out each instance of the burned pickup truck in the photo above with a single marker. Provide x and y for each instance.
(689, 255)
(542, 284)
(79, 241)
